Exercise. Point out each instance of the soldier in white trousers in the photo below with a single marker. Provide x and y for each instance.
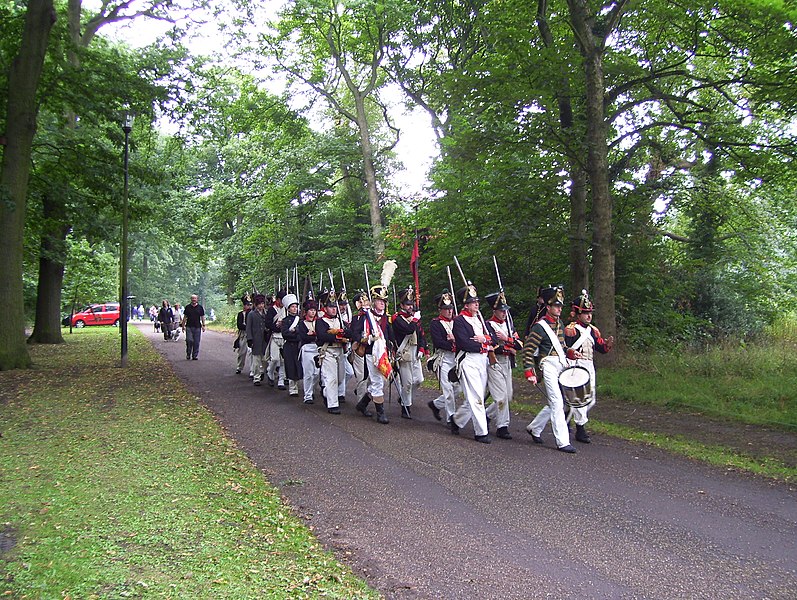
(309, 348)
(582, 335)
(499, 375)
(546, 340)
(473, 342)
(412, 348)
(441, 330)
(332, 339)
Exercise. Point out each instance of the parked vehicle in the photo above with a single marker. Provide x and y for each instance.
(97, 314)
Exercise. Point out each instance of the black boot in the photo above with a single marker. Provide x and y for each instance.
(381, 417)
(435, 410)
(453, 426)
(582, 435)
(503, 433)
(362, 406)
(405, 412)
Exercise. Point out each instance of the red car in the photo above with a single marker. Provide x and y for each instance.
(97, 314)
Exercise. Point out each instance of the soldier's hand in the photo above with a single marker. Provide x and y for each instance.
(531, 377)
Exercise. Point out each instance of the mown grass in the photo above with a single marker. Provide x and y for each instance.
(755, 383)
(117, 483)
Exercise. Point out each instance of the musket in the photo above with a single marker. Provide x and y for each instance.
(367, 283)
(395, 298)
(331, 280)
(451, 287)
(461, 274)
(287, 279)
(501, 289)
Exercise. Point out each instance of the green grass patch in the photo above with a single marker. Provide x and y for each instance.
(117, 483)
(712, 454)
(754, 384)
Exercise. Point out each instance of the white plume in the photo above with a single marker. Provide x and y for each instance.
(388, 269)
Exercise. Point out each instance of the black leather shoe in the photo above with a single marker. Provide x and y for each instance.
(453, 426)
(503, 433)
(270, 381)
(381, 417)
(405, 412)
(280, 386)
(237, 371)
(535, 438)
(568, 449)
(342, 399)
(334, 410)
(582, 435)
(484, 439)
(435, 410)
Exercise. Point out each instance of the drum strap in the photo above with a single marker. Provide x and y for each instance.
(557, 345)
(585, 334)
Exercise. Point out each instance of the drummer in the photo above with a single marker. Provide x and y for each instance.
(583, 336)
(546, 340)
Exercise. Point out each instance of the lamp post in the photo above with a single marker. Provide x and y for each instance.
(127, 126)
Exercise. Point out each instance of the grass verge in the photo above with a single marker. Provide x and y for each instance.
(716, 455)
(117, 483)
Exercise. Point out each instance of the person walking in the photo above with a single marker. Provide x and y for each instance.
(243, 350)
(256, 338)
(194, 323)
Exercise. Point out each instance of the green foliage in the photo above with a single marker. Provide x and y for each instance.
(114, 488)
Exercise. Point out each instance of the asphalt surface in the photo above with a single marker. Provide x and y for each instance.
(420, 513)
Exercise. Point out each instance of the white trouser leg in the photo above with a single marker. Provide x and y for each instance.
(499, 381)
(243, 351)
(580, 414)
(473, 378)
(330, 369)
(258, 366)
(448, 397)
(376, 382)
(308, 354)
(551, 367)
(348, 373)
(361, 381)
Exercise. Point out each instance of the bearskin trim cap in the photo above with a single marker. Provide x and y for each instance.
(407, 296)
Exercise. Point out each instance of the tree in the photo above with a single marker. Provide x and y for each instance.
(20, 124)
(337, 49)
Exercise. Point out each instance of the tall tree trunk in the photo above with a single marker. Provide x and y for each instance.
(370, 178)
(577, 234)
(52, 252)
(23, 82)
(602, 203)
(579, 263)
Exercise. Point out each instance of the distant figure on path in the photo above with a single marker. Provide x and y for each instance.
(194, 323)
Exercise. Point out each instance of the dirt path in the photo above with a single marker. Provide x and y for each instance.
(423, 514)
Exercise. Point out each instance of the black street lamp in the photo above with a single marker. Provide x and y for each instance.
(127, 127)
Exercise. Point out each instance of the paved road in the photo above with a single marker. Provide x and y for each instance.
(420, 513)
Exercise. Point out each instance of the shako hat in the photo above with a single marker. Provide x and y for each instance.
(407, 296)
(583, 303)
(444, 301)
(468, 294)
(497, 301)
(328, 298)
(553, 295)
(342, 299)
(245, 299)
(309, 301)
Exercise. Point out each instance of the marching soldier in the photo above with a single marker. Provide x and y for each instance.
(344, 311)
(357, 353)
(244, 351)
(473, 342)
(290, 348)
(546, 339)
(309, 348)
(256, 337)
(333, 338)
(441, 330)
(499, 375)
(373, 331)
(412, 348)
(583, 336)
(275, 314)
